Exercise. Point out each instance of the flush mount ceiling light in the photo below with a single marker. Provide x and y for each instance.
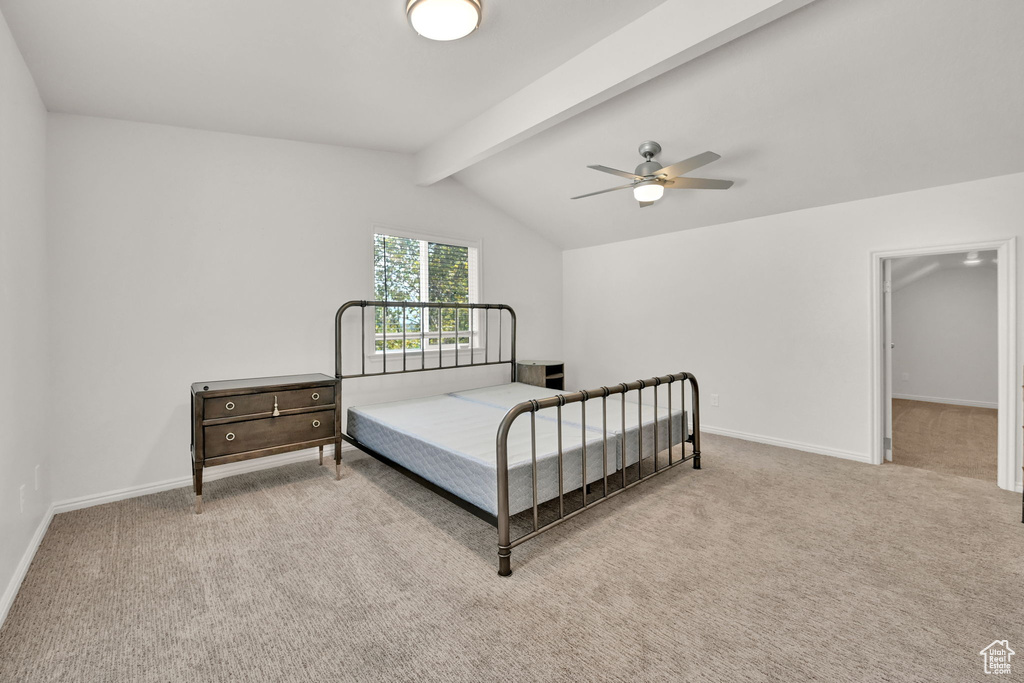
(443, 19)
(972, 259)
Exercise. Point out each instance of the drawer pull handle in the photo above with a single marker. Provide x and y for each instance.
(316, 396)
(276, 413)
(230, 405)
(230, 436)
(316, 423)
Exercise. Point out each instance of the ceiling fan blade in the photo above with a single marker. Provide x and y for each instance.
(610, 189)
(687, 165)
(614, 171)
(643, 204)
(698, 184)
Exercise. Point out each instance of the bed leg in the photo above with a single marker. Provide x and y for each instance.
(696, 461)
(504, 561)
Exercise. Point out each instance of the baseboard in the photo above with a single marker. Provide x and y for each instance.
(948, 401)
(22, 569)
(795, 445)
(209, 474)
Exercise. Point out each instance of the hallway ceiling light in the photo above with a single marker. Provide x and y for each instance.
(972, 259)
(443, 19)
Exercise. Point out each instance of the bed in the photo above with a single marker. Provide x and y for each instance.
(508, 449)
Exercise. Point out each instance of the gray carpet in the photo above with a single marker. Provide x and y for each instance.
(767, 565)
(960, 440)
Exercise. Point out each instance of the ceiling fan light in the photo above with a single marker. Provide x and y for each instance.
(648, 191)
(443, 19)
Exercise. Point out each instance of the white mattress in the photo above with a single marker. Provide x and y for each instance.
(505, 396)
(450, 441)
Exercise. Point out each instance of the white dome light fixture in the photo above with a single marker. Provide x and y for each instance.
(443, 19)
(972, 259)
(648, 191)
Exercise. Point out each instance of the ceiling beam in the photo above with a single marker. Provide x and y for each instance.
(668, 36)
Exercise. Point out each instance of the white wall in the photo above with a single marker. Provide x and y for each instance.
(181, 255)
(26, 387)
(945, 330)
(773, 314)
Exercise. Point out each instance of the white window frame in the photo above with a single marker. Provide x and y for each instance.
(475, 293)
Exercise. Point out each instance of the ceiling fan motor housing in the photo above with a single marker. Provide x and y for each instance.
(648, 168)
(648, 150)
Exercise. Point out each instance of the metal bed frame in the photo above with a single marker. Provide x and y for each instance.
(503, 519)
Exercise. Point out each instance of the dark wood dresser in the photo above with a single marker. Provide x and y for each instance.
(241, 419)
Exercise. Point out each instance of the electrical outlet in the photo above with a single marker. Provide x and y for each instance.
(714, 400)
(21, 491)
(905, 376)
(37, 477)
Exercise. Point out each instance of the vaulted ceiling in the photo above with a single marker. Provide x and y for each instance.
(841, 100)
(342, 72)
(809, 103)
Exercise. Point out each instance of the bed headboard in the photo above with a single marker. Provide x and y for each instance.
(416, 336)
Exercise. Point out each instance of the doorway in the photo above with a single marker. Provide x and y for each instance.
(942, 330)
(945, 338)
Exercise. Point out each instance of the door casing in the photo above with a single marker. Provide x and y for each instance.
(1009, 437)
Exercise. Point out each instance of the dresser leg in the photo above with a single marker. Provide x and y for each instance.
(321, 456)
(197, 479)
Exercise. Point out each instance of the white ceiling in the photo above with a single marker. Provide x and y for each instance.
(840, 100)
(910, 269)
(334, 71)
(837, 101)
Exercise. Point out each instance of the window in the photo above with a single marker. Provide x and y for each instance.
(409, 269)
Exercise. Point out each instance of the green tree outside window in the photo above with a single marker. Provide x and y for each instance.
(406, 269)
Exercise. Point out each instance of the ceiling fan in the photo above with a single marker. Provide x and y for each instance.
(650, 178)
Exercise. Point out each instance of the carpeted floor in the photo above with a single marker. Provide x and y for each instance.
(766, 565)
(944, 438)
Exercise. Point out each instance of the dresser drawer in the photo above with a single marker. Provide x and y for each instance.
(252, 435)
(253, 404)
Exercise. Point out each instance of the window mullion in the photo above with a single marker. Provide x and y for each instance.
(424, 283)
(424, 271)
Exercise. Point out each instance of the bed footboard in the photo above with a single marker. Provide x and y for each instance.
(601, 395)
